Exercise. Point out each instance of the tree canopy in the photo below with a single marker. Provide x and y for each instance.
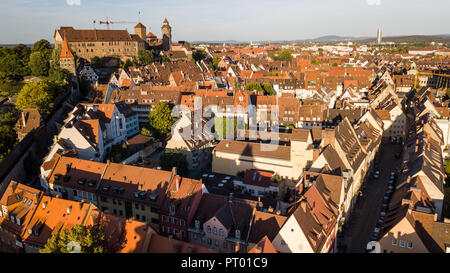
(145, 57)
(90, 239)
(38, 64)
(285, 55)
(38, 95)
(199, 55)
(267, 88)
(161, 119)
(174, 158)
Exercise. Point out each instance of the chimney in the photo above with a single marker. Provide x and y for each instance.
(236, 247)
(328, 136)
(177, 183)
(258, 249)
(23, 119)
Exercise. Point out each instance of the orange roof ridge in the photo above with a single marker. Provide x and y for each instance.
(65, 51)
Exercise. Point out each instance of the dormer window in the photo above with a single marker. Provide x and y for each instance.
(172, 208)
(197, 224)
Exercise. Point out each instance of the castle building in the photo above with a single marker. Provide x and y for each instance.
(87, 44)
(166, 31)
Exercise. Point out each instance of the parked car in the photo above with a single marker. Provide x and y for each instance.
(376, 231)
(376, 175)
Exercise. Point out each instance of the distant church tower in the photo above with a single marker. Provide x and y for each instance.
(140, 30)
(66, 59)
(166, 31)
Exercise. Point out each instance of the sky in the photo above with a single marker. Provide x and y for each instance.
(26, 21)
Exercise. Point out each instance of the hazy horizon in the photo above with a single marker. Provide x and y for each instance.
(26, 21)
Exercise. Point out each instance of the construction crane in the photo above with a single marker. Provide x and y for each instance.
(428, 74)
(108, 22)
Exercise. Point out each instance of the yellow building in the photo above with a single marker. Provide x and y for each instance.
(102, 43)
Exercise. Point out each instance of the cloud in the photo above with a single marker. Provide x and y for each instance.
(73, 2)
(373, 2)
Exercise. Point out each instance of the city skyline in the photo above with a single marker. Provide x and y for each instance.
(248, 21)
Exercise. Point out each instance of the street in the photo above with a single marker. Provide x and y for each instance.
(367, 209)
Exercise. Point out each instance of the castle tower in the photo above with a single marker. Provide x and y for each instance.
(66, 59)
(140, 30)
(166, 31)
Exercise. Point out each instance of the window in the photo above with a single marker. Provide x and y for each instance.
(224, 244)
(209, 229)
(169, 230)
(221, 232)
(181, 222)
(121, 213)
(103, 199)
(215, 230)
(164, 218)
(217, 243)
(209, 241)
(137, 217)
(142, 207)
(402, 243)
(114, 202)
(115, 211)
(283, 243)
(410, 245)
(394, 242)
(143, 218)
(136, 206)
(154, 220)
(175, 221)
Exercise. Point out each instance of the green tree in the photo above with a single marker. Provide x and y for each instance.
(38, 64)
(214, 63)
(91, 239)
(8, 119)
(57, 74)
(127, 63)
(174, 158)
(12, 65)
(8, 138)
(146, 132)
(285, 55)
(23, 52)
(145, 57)
(85, 86)
(334, 64)
(314, 61)
(254, 86)
(268, 89)
(56, 54)
(38, 95)
(96, 62)
(199, 55)
(161, 119)
(44, 47)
